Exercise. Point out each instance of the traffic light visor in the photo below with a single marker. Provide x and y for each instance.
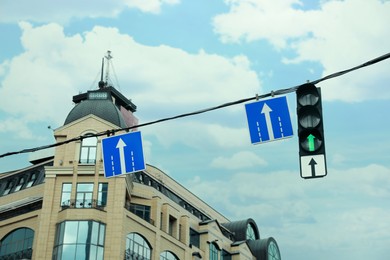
(309, 117)
(307, 95)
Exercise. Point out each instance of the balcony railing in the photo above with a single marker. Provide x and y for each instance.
(83, 204)
(24, 254)
(130, 255)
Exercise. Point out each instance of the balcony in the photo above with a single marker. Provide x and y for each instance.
(83, 204)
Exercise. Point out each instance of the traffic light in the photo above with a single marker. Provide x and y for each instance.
(310, 131)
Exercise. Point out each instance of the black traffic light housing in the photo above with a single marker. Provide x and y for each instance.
(310, 131)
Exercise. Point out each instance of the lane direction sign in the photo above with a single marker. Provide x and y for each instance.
(313, 166)
(122, 154)
(269, 120)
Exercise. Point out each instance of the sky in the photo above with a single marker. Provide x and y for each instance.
(176, 56)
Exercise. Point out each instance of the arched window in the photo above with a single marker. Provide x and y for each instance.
(250, 232)
(137, 247)
(88, 150)
(167, 255)
(79, 240)
(17, 244)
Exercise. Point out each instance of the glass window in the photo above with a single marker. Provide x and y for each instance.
(137, 247)
(250, 232)
(102, 194)
(88, 150)
(31, 181)
(194, 238)
(66, 192)
(213, 252)
(172, 226)
(84, 195)
(17, 243)
(20, 184)
(225, 255)
(8, 188)
(79, 240)
(141, 211)
(167, 255)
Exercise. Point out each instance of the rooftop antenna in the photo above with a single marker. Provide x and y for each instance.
(108, 58)
(101, 82)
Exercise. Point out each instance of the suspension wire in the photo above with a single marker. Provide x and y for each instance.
(244, 100)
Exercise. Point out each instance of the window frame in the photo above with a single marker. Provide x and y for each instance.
(213, 251)
(102, 194)
(168, 255)
(194, 238)
(31, 180)
(68, 194)
(20, 184)
(136, 244)
(85, 201)
(88, 150)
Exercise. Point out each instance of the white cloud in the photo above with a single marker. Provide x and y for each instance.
(151, 6)
(198, 135)
(55, 66)
(339, 211)
(250, 20)
(44, 11)
(239, 160)
(19, 128)
(339, 35)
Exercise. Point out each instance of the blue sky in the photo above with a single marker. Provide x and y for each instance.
(172, 57)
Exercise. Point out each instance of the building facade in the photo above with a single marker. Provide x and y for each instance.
(62, 206)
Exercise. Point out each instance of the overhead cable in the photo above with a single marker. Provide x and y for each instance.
(244, 100)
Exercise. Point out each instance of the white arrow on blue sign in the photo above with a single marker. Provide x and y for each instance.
(122, 154)
(269, 120)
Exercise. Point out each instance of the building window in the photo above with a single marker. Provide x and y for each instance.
(161, 220)
(250, 232)
(167, 255)
(172, 226)
(213, 252)
(8, 188)
(66, 192)
(17, 244)
(79, 240)
(180, 234)
(137, 247)
(84, 195)
(88, 150)
(141, 211)
(31, 181)
(102, 194)
(225, 255)
(194, 238)
(20, 184)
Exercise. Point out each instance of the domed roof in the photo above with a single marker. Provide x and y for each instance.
(240, 228)
(103, 108)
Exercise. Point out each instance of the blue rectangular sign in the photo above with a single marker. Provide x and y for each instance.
(122, 154)
(269, 120)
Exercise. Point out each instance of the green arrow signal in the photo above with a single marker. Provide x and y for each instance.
(310, 140)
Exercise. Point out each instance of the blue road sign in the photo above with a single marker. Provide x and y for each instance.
(122, 154)
(269, 120)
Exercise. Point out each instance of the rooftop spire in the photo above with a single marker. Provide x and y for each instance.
(103, 84)
(108, 58)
